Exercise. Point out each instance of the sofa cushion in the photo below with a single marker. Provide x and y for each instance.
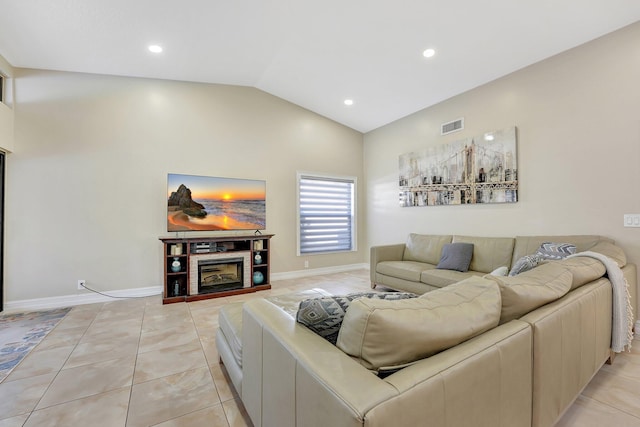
(442, 278)
(612, 251)
(230, 316)
(489, 253)
(424, 248)
(230, 323)
(532, 289)
(584, 270)
(551, 250)
(456, 256)
(383, 334)
(527, 245)
(525, 263)
(407, 270)
(324, 315)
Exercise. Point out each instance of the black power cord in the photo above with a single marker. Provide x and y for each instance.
(110, 296)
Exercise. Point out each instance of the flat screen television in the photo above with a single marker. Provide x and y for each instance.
(207, 203)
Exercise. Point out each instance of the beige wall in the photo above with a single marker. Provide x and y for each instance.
(578, 121)
(86, 196)
(86, 181)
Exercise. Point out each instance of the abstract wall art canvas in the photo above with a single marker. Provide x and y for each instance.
(481, 169)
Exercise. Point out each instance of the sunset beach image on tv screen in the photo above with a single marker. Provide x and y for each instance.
(205, 203)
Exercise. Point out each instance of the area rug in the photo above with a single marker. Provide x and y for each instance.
(21, 332)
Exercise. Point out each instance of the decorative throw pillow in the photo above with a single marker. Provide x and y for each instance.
(525, 263)
(550, 250)
(500, 271)
(456, 256)
(324, 315)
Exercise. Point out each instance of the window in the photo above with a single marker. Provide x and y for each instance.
(326, 214)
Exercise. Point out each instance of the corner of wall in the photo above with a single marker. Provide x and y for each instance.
(7, 142)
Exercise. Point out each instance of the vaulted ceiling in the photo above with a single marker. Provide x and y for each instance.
(315, 54)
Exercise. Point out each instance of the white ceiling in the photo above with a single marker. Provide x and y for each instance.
(312, 53)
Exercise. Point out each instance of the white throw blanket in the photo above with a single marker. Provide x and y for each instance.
(622, 325)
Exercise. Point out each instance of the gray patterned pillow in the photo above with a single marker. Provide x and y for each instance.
(550, 250)
(324, 315)
(525, 263)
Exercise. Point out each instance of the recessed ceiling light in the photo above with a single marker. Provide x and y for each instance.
(428, 53)
(488, 137)
(154, 48)
(348, 102)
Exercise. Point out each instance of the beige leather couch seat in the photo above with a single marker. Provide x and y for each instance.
(406, 270)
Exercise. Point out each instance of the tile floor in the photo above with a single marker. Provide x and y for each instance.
(136, 362)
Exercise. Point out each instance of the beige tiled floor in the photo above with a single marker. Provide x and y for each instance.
(137, 362)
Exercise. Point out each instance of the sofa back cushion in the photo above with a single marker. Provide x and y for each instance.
(489, 253)
(324, 315)
(612, 251)
(532, 289)
(382, 334)
(528, 245)
(424, 248)
(583, 269)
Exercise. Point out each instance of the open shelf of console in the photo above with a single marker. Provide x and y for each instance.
(198, 268)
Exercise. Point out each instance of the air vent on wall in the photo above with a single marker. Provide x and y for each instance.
(453, 126)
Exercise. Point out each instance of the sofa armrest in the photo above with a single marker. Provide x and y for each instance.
(384, 253)
(291, 376)
(571, 341)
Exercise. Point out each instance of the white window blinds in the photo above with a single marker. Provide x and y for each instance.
(326, 214)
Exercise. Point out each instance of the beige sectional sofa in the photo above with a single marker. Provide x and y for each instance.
(411, 266)
(553, 333)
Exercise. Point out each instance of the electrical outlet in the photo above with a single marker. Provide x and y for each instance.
(632, 220)
(306, 264)
(81, 284)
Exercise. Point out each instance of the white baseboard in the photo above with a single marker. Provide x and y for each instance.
(91, 297)
(84, 298)
(297, 274)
